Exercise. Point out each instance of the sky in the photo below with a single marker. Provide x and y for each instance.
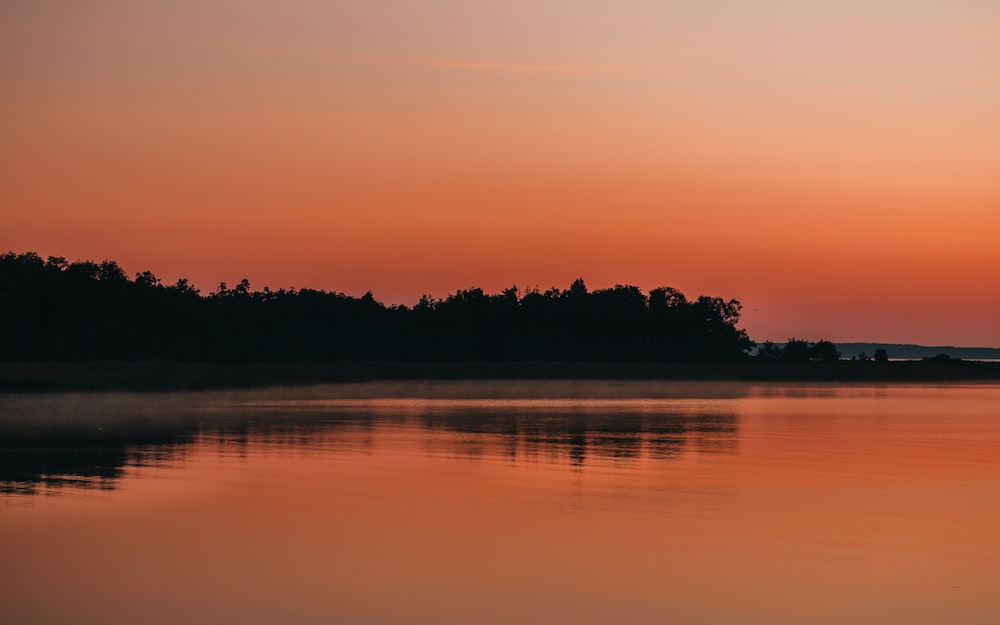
(834, 166)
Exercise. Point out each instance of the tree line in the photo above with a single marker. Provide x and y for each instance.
(52, 309)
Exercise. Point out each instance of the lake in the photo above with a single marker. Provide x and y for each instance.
(504, 502)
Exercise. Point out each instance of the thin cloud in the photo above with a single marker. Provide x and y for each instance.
(499, 66)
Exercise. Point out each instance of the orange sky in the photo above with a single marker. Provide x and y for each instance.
(832, 165)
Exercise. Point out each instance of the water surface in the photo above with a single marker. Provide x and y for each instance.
(526, 502)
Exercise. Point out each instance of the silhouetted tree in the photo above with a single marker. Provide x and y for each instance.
(769, 351)
(824, 351)
(796, 350)
(60, 310)
(941, 358)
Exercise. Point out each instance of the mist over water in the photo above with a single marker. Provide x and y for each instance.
(87, 440)
(499, 502)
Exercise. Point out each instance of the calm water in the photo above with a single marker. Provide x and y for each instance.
(470, 503)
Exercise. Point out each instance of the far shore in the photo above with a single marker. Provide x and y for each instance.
(145, 376)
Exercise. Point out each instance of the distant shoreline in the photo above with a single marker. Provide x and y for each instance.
(21, 377)
(909, 351)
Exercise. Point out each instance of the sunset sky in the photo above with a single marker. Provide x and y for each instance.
(833, 165)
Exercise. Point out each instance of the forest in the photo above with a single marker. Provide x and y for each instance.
(55, 310)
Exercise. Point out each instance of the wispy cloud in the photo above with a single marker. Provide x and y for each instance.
(497, 66)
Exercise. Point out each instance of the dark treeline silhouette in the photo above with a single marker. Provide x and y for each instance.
(799, 350)
(58, 310)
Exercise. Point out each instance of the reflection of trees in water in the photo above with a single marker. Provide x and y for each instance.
(284, 428)
(25, 467)
(54, 442)
(52, 458)
(574, 437)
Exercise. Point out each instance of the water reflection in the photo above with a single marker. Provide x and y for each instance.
(485, 504)
(572, 434)
(54, 442)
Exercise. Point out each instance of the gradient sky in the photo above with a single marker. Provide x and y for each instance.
(835, 166)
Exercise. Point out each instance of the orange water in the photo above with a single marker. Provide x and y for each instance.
(505, 503)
